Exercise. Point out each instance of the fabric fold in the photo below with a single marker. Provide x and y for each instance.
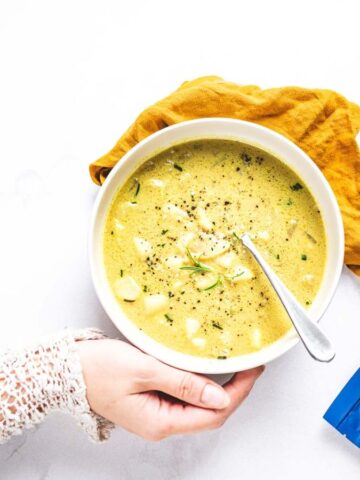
(321, 122)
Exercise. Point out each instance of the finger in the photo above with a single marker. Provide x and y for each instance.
(189, 387)
(176, 418)
(240, 385)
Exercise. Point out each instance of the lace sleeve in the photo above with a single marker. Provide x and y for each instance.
(43, 378)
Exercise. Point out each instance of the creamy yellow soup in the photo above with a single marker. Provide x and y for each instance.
(174, 260)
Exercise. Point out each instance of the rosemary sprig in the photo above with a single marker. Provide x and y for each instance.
(196, 263)
(218, 282)
(199, 267)
(196, 269)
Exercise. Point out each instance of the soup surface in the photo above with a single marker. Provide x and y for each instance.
(174, 260)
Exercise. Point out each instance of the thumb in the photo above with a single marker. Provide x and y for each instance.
(189, 387)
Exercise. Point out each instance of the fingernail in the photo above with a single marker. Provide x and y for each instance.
(214, 397)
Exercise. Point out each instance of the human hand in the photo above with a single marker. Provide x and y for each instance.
(127, 387)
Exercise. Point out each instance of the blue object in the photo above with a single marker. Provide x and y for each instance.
(344, 412)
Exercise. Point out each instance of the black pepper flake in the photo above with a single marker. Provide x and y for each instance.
(217, 324)
(297, 186)
(246, 158)
(169, 319)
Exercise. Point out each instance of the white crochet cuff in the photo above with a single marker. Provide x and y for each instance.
(44, 378)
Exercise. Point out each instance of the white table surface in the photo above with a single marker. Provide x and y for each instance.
(73, 76)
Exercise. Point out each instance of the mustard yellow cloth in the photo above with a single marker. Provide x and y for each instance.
(323, 123)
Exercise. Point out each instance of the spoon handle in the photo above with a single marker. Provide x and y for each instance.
(314, 340)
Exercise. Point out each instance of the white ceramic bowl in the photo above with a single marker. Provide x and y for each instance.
(249, 133)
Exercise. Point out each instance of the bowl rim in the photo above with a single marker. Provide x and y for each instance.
(111, 306)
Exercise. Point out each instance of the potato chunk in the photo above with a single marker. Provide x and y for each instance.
(204, 220)
(155, 303)
(177, 284)
(206, 280)
(184, 241)
(208, 245)
(226, 260)
(126, 288)
(256, 337)
(118, 226)
(173, 211)
(225, 337)
(143, 247)
(192, 326)
(308, 278)
(263, 235)
(155, 182)
(199, 342)
(241, 273)
(174, 261)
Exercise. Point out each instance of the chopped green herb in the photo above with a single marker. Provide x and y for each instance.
(237, 275)
(217, 325)
(164, 231)
(297, 186)
(169, 319)
(136, 186)
(145, 288)
(278, 257)
(133, 202)
(121, 273)
(289, 202)
(303, 257)
(178, 167)
(129, 301)
(231, 277)
(221, 357)
(137, 189)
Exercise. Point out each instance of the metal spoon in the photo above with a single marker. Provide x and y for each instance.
(315, 342)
